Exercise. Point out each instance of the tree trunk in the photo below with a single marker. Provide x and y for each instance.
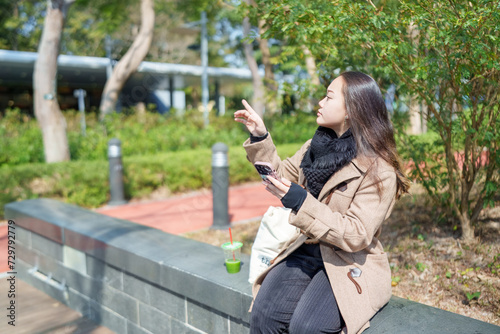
(312, 70)
(47, 111)
(258, 92)
(311, 66)
(467, 229)
(269, 83)
(416, 124)
(266, 55)
(130, 61)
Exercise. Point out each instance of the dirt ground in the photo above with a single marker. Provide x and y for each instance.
(429, 263)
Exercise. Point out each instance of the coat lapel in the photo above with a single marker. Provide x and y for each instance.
(352, 170)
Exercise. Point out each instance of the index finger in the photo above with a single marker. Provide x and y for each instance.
(286, 182)
(278, 184)
(248, 107)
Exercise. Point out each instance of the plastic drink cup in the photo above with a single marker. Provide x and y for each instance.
(232, 256)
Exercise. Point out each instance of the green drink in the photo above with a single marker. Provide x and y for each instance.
(232, 255)
(233, 266)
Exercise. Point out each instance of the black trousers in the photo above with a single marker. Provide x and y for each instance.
(296, 297)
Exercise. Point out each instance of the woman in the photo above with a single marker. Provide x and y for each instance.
(334, 276)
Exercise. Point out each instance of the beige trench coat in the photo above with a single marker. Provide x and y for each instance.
(347, 227)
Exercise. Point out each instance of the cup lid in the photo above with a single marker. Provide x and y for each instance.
(234, 246)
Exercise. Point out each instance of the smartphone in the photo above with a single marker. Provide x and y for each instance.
(264, 169)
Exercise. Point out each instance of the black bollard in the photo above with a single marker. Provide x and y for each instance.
(220, 186)
(115, 172)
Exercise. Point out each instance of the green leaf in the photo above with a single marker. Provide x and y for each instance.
(420, 266)
(475, 295)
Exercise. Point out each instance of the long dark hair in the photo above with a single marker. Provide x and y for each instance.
(370, 123)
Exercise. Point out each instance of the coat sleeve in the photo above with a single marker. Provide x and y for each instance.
(354, 230)
(265, 151)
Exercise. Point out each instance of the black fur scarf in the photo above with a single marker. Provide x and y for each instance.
(326, 155)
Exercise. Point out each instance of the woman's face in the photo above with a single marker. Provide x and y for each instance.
(332, 111)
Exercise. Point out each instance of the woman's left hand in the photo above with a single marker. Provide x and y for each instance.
(278, 188)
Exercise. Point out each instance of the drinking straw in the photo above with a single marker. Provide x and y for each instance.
(231, 238)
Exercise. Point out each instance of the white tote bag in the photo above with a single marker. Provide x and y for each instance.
(273, 232)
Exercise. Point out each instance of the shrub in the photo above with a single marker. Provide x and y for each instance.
(85, 183)
(20, 139)
(141, 134)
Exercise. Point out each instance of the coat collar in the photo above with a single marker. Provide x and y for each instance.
(356, 168)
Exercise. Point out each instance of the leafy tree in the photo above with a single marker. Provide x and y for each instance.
(258, 99)
(188, 12)
(253, 13)
(299, 51)
(445, 53)
(21, 23)
(91, 21)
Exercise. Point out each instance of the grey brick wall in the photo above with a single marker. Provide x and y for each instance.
(135, 279)
(129, 278)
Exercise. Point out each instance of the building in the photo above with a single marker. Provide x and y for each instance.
(160, 83)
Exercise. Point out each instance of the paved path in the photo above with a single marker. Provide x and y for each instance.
(181, 214)
(37, 312)
(3, 247)
(193, 212)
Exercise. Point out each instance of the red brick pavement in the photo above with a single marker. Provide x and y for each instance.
(193, 212)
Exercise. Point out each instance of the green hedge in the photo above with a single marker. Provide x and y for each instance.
(141, 134)
(85, 183)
